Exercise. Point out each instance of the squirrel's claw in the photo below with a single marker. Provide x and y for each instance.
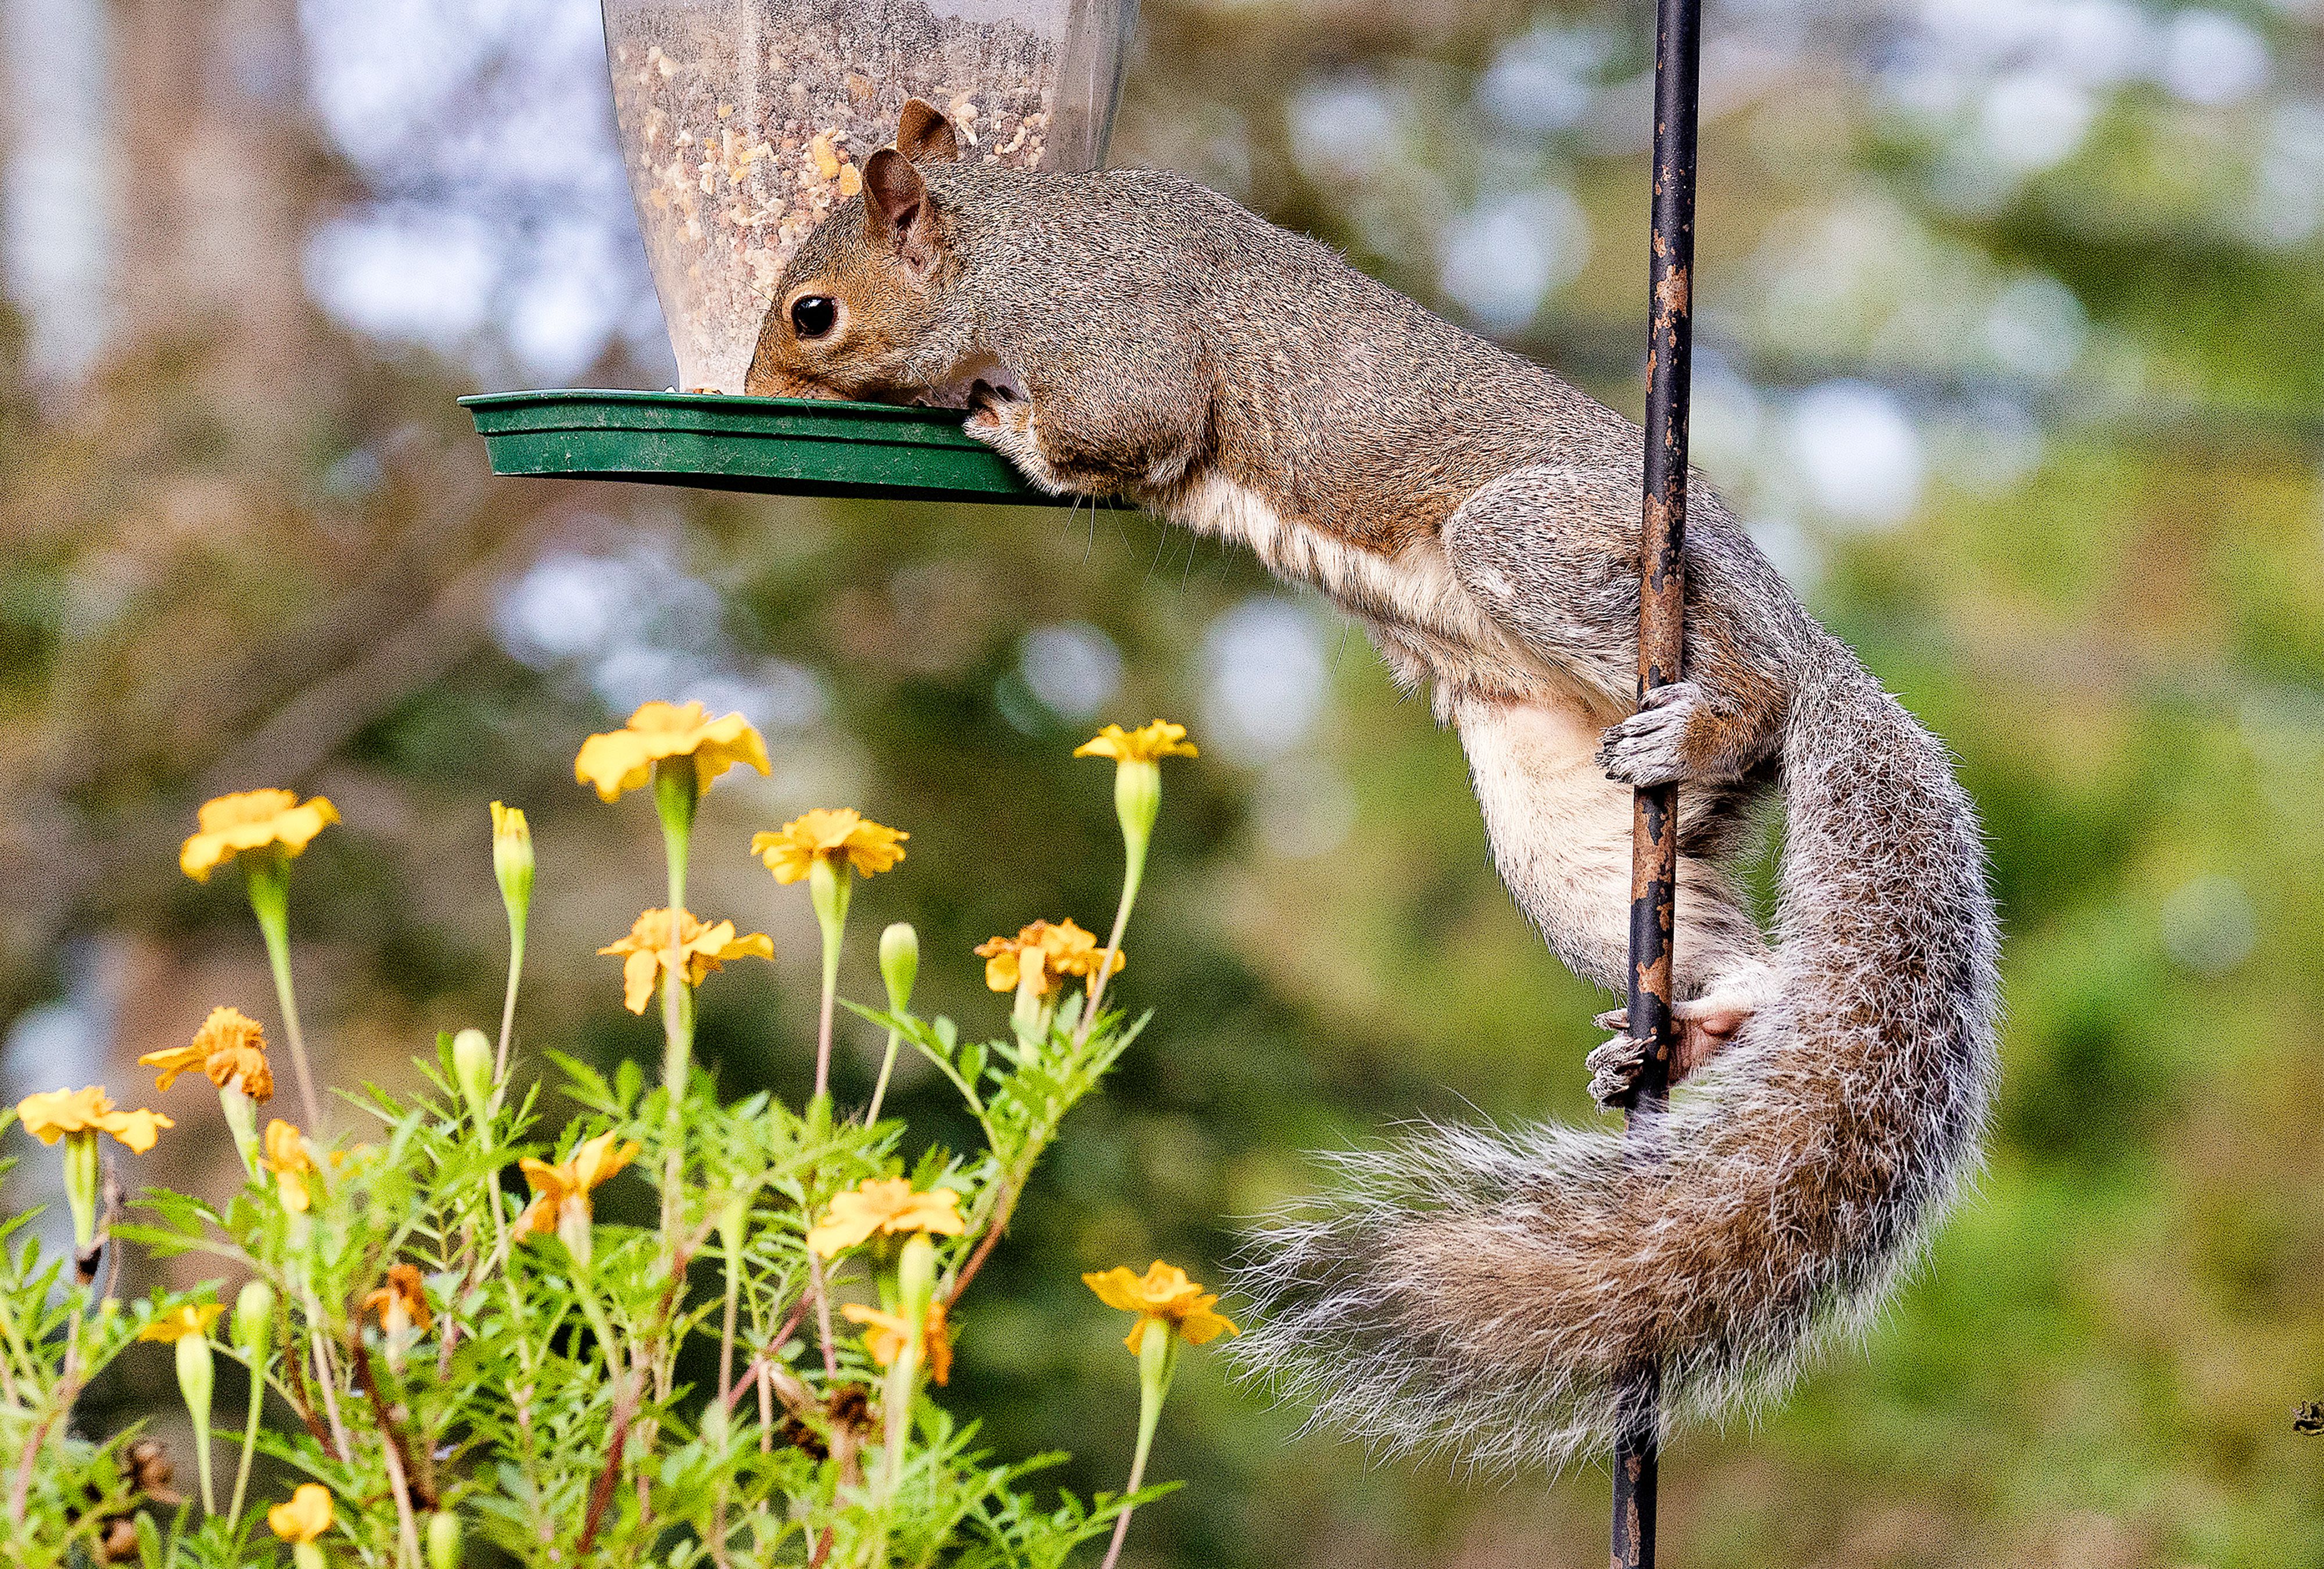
(1648, 748)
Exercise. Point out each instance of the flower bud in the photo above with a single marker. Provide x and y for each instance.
(197, 1382)
(916, 1278)
(733, 1221)
(574, 1228)
(253, 1321)
(900, 963)
(827, 887)
(81, 1171)
(714, 1425)
(1137, 801)
(444, 1540)
(513, 859)
(472, 1070)
(241, 1122)
(309, 1556)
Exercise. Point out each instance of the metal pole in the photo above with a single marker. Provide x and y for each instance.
(1654, 832)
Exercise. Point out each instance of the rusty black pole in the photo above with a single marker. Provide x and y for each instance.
(1653, 827)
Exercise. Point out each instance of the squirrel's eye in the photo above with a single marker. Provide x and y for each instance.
(812, 315)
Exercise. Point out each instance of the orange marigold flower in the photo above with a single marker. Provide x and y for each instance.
(55, 1113)
(286, 1156)
(1053, 950)
(306, 1516)
(645, 952)
(252, 820)
(622, 760)
(401, 1305)
(230, 1049)
(834, 835)
(886, 1334)
(565, 1187)
(1162, 1296)
(182, 1323)
(1148, 743)
(889, 1206)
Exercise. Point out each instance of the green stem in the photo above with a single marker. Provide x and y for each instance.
(879, 1090)
(508, 1010)
(828, 886)
(249, 1436)
(1132, 875)
(594, 1311)
(267, 874)
(677, 791)
(1154, 1367)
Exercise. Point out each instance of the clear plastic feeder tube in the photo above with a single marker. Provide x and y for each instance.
(744, 122)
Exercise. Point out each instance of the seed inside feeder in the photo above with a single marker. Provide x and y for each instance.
(745, 121)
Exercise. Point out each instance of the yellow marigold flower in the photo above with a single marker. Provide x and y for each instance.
(253, 820)
(567, 1186)
(182, 1323)
(306, 1516)
(286, 1156)
(54, 1113)
(886, 1334)
(622, 760)
(645, 952)
(890, 1207)
(834, 835)
(1148, 743)
(230, 1049)
(401, 1305)
(1163, 1295)
(1053, 950)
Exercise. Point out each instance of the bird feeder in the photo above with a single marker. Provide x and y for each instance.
(744, 124)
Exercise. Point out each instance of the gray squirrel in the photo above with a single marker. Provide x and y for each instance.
(1492, 1295)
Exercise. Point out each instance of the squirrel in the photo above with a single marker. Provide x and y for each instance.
(1499, 1296)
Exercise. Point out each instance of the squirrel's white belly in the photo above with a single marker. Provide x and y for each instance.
(1559, 829)
(1429, 628)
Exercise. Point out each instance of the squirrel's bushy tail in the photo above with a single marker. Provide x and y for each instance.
(1493, 1295)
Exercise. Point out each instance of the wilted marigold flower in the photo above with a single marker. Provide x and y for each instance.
(830, 834)
(1053, 951)
(889, 1206)
(702, 949)
(286, 1156)
(253, 820)
(401, 1305)
(55, 1114)
(622, 760)
(1148, 743)
(182, 1323)
(230, 1050)
(306, 1516)
(1163, 1295)
(561, 1192)
(886, 1334)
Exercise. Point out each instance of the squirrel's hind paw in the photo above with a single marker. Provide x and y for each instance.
(1649, 747)
(1706, 1025)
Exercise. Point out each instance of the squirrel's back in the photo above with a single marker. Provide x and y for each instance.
(1346, 386)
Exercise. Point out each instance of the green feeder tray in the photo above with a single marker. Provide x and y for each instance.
(772, 445)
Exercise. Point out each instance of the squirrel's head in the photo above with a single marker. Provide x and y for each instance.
(858, 311)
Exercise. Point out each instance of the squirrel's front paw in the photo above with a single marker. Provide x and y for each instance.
(1648, 748)
(992, 406)
(1615, 1066)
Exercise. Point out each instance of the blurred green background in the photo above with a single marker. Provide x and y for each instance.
(2010, 353)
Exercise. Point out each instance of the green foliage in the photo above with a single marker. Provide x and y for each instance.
(577, 1390)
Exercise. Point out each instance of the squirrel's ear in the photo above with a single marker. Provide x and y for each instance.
(923, 135)
(897, 215)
